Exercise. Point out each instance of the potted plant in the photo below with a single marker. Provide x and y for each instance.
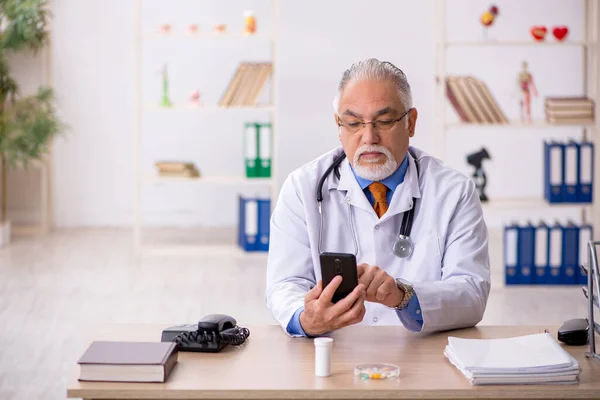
(27, 123)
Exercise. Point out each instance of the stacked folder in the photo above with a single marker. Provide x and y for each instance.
(176, 169)
(531, 359)
(545, 254)
(257, 144)
(569, 110)
(568, 172)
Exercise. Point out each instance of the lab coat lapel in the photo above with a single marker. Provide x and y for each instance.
(402, 200)
(348, 183)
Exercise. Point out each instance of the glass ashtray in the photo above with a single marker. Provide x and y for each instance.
(377, 371)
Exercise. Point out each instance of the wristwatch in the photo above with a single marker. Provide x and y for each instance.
(408, 290)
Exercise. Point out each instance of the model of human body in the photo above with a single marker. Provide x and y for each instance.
(527, 87)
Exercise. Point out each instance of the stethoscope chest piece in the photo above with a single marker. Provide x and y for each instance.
(403, 247)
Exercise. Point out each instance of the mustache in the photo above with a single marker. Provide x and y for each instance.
(372, 148)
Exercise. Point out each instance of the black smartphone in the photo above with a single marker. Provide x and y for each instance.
(344, 264)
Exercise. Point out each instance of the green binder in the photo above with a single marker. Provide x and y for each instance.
(251, 143)
(264, 150)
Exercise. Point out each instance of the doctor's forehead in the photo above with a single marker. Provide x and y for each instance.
(369, 98)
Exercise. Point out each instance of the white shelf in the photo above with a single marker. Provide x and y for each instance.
(208, 108)
(508, 204)
(229, 180)
(515, 124)
(206, 36)
(550, 42)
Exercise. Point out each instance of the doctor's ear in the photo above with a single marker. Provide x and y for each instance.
(412, 122)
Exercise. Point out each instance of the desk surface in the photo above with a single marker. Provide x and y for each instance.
(272, 365)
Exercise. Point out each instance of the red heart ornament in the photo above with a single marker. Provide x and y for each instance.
(538, 32)
(560, 32)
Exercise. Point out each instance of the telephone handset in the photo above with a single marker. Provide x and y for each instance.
(211, 334)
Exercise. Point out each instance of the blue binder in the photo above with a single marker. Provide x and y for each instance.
(511, 238)
(570, 254)
(248, 223)
(526, 254)
(586, 172)
(554, 276)
(571, 172)
(554, 173)
(542, 253)
(264, 219)
(586, 234)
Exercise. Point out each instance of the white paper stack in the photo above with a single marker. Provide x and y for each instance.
(532, 359)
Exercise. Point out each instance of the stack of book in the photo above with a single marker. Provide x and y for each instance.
(531, 359)
(569, 110)
(173, 169)
(472, 101)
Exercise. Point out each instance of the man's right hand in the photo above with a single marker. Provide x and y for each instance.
(320, 315)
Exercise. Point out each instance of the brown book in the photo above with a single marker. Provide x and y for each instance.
(233, 86)
(455, 103)
(491, 103)
(578, 102)
(570, 121)
(461, 98)
(480, 100)
(174, 166)
(246, 80)
(263, 74)
(128, 361)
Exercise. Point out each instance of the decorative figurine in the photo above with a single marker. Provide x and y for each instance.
(476, 160)
(195, 99)
(165, 102)
(165, 28)
(526, 86)
(193, 29)
(487, 19)
(560, 32)
(249, 23)
(538, 33)
(220, 28)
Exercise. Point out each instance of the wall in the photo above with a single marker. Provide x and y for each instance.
(94, 74)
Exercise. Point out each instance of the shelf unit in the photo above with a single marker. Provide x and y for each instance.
(143, 177)
(591, 82)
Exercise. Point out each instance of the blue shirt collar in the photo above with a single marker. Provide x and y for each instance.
(391, 181)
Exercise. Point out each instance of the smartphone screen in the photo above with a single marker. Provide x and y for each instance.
(344, 264)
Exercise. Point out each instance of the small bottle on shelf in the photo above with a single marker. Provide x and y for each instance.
(249, 23)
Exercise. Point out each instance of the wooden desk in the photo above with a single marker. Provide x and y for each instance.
(272, 365)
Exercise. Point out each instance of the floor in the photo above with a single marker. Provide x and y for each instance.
(54, 289)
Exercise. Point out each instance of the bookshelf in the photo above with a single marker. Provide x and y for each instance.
(250, 109)
(445, 129)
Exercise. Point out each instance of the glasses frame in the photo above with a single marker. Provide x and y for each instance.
(372, 123)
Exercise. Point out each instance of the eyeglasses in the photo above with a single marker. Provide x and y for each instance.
(379, 125)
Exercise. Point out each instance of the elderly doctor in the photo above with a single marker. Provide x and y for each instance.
(444, 281)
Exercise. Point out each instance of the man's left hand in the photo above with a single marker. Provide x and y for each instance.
(381, 287)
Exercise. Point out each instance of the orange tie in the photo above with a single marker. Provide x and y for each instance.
(379, 190)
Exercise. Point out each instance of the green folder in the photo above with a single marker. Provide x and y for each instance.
(251, 143)
(264, 150)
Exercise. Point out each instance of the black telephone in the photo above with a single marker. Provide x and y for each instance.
(210, 335)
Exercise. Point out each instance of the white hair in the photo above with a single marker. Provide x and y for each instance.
(373, 69)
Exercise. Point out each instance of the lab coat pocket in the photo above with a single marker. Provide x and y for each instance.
(425, 263)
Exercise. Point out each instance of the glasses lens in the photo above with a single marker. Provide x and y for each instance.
(385, 124)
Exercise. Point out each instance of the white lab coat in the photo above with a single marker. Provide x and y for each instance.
(449, 267)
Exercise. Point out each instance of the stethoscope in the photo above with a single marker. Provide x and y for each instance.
(403, 246)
